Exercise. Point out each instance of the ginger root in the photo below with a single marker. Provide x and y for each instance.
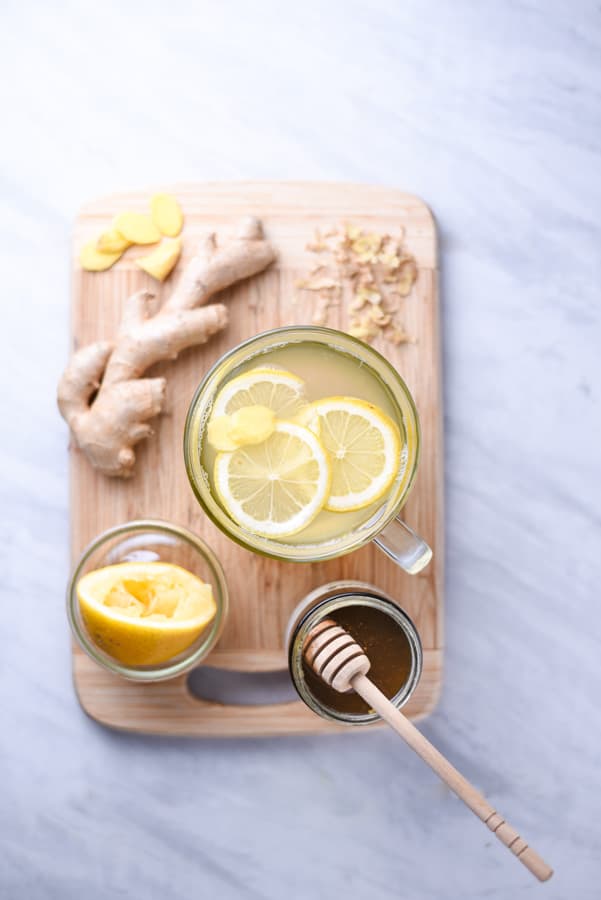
(102, 396)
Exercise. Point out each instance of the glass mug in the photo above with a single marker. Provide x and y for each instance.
(347, 367)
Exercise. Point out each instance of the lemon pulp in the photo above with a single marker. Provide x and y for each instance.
(144, 614)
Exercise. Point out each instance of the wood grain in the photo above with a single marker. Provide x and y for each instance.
(263, 592)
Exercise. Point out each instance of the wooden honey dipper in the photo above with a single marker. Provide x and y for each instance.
(339, 660)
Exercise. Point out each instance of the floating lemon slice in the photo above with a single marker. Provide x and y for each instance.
(364, 447)
(278, 487)
(144, 614)
(277, 389)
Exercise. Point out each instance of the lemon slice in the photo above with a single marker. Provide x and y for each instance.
(277, 389)
(144, 614)
(364, 448)
(276, 488)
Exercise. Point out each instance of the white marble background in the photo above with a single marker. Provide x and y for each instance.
(491, 112)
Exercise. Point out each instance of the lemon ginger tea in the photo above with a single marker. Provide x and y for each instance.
(301, 443)
(295, 486)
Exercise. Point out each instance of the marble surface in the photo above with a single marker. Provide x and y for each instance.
(489, 111)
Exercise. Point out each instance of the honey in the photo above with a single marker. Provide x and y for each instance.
(385, 644)
(383, 630)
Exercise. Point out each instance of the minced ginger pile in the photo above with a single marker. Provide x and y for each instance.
(369, 273)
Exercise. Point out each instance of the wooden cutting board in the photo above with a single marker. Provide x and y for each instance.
(263, 592)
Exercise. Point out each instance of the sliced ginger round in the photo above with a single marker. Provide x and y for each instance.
(160, 262)
(144, 614)
(166, 214)
(94, 260)
(137, 228)
(249, 425)
(112, 241)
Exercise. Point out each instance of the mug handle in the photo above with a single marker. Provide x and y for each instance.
(404, 546)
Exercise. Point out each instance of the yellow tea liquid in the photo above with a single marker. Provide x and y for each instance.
(326, 372)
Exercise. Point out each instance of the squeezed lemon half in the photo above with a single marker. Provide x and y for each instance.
(276, 389)
(364, 448)
(143, 614)
(278, 487)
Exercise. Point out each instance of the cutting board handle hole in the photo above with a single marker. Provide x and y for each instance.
(232, 688)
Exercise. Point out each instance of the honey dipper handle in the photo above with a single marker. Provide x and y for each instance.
(454, 779)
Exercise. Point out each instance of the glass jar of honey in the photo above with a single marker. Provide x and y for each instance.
(383, 630)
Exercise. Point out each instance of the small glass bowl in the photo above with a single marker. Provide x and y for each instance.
(150, 540)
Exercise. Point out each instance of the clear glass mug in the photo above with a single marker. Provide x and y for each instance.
(384, 527)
